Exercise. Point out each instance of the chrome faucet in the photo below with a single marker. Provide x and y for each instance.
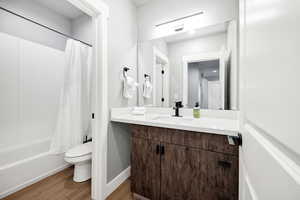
(178, 105)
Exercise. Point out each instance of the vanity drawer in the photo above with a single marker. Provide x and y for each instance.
(177, 137)
(159, 134)
(218, 143)
(185, 138)
(205, 141)
(139, 131)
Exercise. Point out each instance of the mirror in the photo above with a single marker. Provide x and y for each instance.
(187, 61)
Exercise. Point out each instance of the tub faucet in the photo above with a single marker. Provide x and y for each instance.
(178, 105)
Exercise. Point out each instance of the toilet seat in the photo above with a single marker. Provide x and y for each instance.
(80, 150)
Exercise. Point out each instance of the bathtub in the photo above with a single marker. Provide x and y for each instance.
(23, 165)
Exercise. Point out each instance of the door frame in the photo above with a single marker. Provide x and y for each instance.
(159, 54)
(219, 55)
(99, 12)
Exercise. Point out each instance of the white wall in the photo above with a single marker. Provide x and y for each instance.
(211, 43)
(158, 11)
(21, 28)
(270, 156)
(122, 49)
(82, 28)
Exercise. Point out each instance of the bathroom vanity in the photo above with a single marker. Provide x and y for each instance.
(183, 158)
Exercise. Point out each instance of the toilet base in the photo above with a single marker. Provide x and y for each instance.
(82, 171)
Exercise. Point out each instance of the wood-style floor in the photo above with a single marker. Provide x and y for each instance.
(122, 193)
(62, 187)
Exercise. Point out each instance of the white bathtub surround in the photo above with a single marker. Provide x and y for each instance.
(211, 121)
(27, 164)
(29, 112)
(73, 120)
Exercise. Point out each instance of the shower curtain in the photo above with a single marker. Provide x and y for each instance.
(74, 112)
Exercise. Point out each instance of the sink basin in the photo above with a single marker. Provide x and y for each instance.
(172, 119)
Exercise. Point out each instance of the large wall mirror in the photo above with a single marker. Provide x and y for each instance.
(185, 59)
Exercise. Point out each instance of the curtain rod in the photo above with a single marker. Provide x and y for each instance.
(49, 28)
(181, 18)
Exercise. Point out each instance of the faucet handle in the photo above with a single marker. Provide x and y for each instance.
(178, 104)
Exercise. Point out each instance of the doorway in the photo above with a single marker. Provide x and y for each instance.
(204, 85)
(198, 71)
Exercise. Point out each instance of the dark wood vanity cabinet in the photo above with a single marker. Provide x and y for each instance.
(168, 164)
(145, 173)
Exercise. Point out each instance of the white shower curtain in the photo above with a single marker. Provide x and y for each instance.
(73, 120)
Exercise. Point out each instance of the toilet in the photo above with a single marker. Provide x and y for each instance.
(81, 157)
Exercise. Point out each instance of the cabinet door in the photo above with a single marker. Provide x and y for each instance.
(219, 176)
(179, 173)
(145, 168)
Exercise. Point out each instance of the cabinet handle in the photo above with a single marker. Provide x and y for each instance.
(157, 149)
(162, 150)
(224, 164)
(235, 140)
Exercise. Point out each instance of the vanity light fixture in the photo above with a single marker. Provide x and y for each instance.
(179, 25)
(180, 18)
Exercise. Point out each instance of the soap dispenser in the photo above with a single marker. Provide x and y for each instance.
(196, 110)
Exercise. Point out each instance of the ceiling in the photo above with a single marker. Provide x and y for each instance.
(140, 2)
(63, 8)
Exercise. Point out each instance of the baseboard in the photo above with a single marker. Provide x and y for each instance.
(32, 181)
(116, 182)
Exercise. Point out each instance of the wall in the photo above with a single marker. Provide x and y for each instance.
(16, 26)
(122, 51)
(157, 11)
(211, 43)
(81, 28)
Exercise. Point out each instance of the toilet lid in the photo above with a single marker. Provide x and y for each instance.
(80, 150)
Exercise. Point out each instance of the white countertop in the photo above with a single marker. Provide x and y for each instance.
(223, 124)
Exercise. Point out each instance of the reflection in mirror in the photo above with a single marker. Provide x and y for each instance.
(192, 66)
(204, 84)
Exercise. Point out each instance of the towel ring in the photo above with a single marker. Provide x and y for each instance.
(147, 76)
(125, 70)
